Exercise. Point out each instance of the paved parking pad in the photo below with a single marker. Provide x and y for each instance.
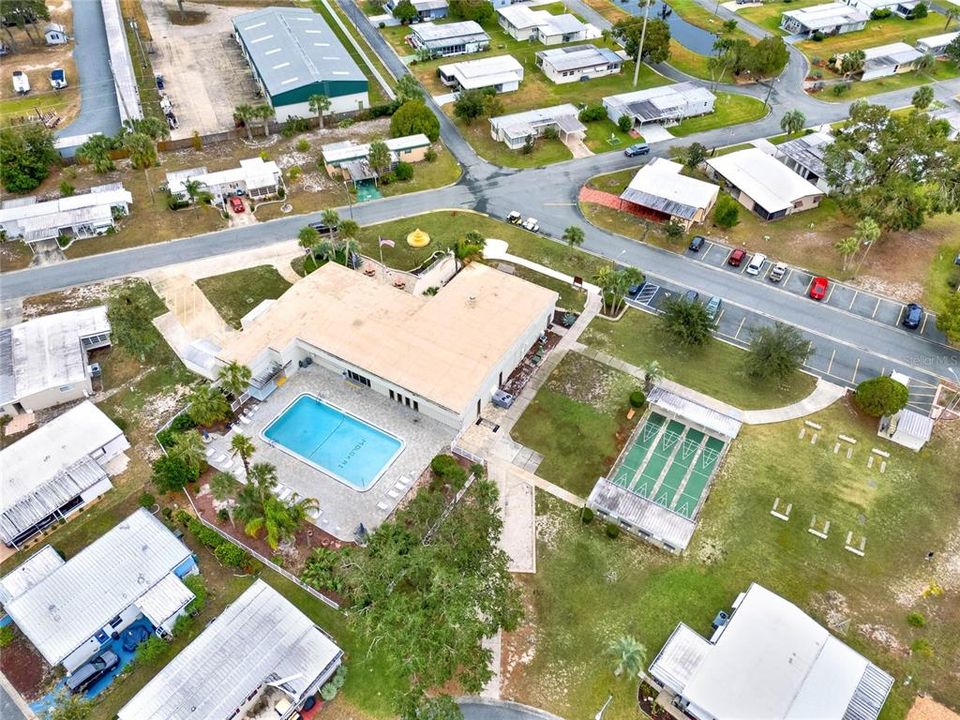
(840, 296)
(865, 304)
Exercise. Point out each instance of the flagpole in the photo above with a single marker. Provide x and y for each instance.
(383, 269)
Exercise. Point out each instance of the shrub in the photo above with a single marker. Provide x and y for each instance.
(295, 172)
(478, 471)
(120, 422)
(818, 36)
(199, 589)
(196, 142)
(922, 647)
(8, 633)
(403, 171)
(624, 123)
(232, 555)
(167, 512)
(726, 213)
(430, 155)
(204, 535)
(182, 517)
(182, 625)
(881, 396)
(916, 620)
(381, 25)
(881, 13)
(295, 125)
(592, 113)
(223, 515)
(303, 145)
(612, 530)
(388, 177)
(919, 12)
(840, 88)
(151, 650)
(182, 422)
(66, 189)
(550, 133)
(637, 399)
(586, 515)
(172, 473)
(147, 500)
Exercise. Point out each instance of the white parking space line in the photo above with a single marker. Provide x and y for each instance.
(786, 278)
(856, 294)
(830, 364)
(856, 369)
(742, 321)
(829, 294)
(809, 284)
(900, 314)
(875, 308)
(923, 325)
(720, 317)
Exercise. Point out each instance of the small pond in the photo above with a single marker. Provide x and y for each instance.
(690, 36)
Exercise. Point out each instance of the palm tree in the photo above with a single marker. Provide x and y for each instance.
(234, 378)
(464, 253)
(246, 113)
(324, 250)
(241, 445)
(193, 188)
(188, 448)
(349, 247)
(261, 510)
(207, 405)
(475, 238)
(308, 237)
(924, 63)
(652, 374)
(348, 228)
(222, 486)
(265, 113)
(330, 218)
(792, 122)
(143, 150)
(574, 236)
(629, 655)
(319, 104)
(922, 97)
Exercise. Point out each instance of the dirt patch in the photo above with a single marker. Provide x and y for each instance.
(589, 382)
(72, 299)
(187, 17)
(832, 606)
(882, 637)
(519, 648)
(926, 708)
(26, 670)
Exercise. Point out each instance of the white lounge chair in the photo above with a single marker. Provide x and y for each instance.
(382, 505)
(244, 419)
(210, 452)
(219, 459)
(393, 493)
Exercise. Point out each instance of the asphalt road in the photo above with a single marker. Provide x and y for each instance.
(98, 100)
(480, 709)
(9, 709)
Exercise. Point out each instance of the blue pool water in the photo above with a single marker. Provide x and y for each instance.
(341, 445)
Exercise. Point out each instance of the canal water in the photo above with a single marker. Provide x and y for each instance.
(690, 36)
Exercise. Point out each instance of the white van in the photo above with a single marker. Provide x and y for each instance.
(756, 264)
(21, 83)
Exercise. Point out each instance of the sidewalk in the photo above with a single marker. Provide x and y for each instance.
(497, 250)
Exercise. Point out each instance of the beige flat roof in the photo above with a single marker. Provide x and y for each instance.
(440, 348)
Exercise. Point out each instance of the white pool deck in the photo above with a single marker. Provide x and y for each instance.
(342, 508)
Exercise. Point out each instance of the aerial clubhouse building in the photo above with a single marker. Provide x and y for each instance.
(443, 355)
(261, 650)
(294, 54)
(769, 661)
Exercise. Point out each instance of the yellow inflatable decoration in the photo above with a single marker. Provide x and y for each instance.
(418, 239)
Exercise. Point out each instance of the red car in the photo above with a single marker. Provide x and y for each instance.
(818, 288)
(736, 257)
(236, 204)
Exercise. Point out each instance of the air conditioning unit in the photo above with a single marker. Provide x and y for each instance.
(95, 370)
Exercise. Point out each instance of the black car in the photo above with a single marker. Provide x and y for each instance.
(637, 149)
(691, 296)
(323, 228)
(634, 290)
(913, 316)
(86, 675)
(697, 243)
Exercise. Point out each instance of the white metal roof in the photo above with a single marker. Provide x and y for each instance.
(662, 102)
(705, 417)
(773, 661)
(472, 74)
(650, 518)
(578, 57)
(522, 17)
(896, 53)
(54, 209)
(67, 607)
(164, 600)
(351, 150)
(430, 34)
(47, 352)
(121, 64)
(938, 41)
(524, 123)
(827, 15)
(254, 173)
(260, 638)
(770, 183)
(679, 658)
(33, 570)
(660, 185)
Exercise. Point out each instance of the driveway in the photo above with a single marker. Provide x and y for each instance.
(9, 710)
(99, 111)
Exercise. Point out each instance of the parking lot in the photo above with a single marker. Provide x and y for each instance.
(843, 297)
(833, 361)
(205, 75)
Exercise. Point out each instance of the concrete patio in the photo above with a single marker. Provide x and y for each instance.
(342, 508)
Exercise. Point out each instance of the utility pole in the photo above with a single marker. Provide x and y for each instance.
(643, 36)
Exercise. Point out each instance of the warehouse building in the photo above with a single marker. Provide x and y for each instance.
(580, 62)
(56, 470)
(294, 54)
(769, 660)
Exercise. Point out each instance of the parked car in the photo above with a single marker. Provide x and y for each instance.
(634, 290)
(159, 80)
(86, 675)
(323, 228)
(818, 288)
(21, 83)
(713, 307)
(637, 149)
(756, 264)
(236, 204)
(531, 224)
(913, 316)
(736, 257)
(691, 296)
(514, 217)
(697, 243)
(779, 270)
(58, 79)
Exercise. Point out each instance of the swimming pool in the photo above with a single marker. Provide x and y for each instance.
(352, 451)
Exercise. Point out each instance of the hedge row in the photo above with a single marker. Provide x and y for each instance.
(225, 551)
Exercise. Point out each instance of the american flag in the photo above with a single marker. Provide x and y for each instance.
(386, 242)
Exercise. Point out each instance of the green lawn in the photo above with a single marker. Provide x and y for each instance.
(545, 151)
(11, 109)
(691, 63)
(600, 132)
(696, 14)
(571, 298)
(445, 170)
(716, 369)
(578, 422)
(445, 227)
(943, 276)
(635, 589)
(730, 109)
(784, 137)
(941, 70)
(615, 182)
(236, 293)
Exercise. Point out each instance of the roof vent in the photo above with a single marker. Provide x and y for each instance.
(472, 301)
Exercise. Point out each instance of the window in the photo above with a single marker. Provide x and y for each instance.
(116, 621)
(358, 378)
(66, 388)
(391, 395)
(416, 406)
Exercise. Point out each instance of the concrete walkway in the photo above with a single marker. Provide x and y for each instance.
(824, 394)
(491, 690)
(497, 250)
